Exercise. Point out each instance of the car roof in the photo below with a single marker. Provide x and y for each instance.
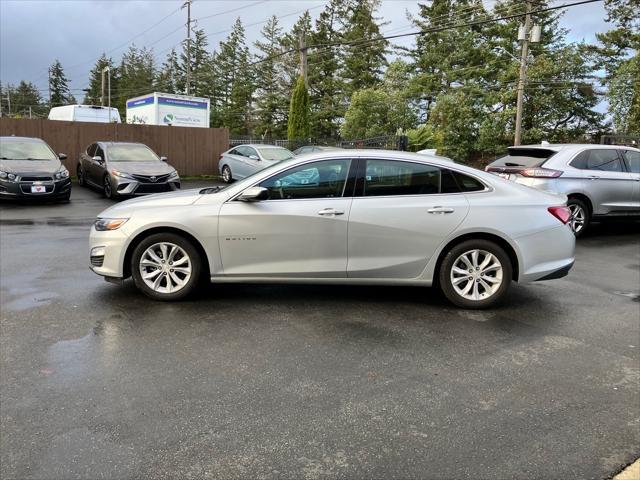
(13, 138)
(260, 145)
(110, 143)
(569, 146)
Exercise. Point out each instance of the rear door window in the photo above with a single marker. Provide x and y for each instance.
(524, 157)
(602, 160)
(633, 160)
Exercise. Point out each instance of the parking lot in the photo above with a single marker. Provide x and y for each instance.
(247, 381)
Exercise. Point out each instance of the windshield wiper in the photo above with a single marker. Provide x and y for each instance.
(208, 190)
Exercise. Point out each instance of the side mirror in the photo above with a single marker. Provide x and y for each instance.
(254, 157)
(254, 194)
(98, 159)
(163, 159)
(62, 156)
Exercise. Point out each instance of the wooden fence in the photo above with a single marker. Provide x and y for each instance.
(192, 151)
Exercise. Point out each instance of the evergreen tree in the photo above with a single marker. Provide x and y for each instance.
(199, 61)
(136, 76)
(298, 126)
(24, 98)
(236, 78)
(364, 63)
(326, 86)
(59, 85)
(271, 99)
(94, 90)
(170, 79)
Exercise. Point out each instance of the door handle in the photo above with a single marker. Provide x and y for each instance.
(329, 212)
(440, 210)
(593, 177)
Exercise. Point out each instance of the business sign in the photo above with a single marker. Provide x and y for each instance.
(183, 112)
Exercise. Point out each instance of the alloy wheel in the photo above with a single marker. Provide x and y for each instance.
(476, 275)
(226, 174)
(165, 267)
(80, 176)
(577, 218)
(107, 187)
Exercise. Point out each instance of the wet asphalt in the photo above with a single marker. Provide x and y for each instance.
(97, 381)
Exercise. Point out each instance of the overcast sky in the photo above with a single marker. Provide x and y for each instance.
(35, 32)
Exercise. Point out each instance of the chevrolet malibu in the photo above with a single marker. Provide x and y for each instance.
(342, 217)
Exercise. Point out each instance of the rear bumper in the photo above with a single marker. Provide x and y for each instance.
(547, 254)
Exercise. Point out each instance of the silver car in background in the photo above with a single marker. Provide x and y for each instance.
(600, 181)
(125, 169)
(244, 160)
(342, 217)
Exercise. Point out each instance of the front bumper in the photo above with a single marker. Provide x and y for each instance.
(22, 190)
(106, 252)
(131, 187)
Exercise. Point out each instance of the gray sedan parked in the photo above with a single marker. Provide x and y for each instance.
(244, 160)
(120, 168)
(600, 180)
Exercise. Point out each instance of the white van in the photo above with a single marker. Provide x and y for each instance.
(84, 113)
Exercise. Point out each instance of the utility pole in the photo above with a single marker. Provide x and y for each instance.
(9, 102)
(525, 34)
(107, 69)
(303, 57)
(49, 85)
(188, 5)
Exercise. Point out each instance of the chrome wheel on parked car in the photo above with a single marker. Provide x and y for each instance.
(226, 174)
(476, 275)
(579, 216)
(165, 267)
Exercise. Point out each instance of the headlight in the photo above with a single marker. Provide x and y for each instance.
(173, 174)
(62, 174)
(103, 224)
(8, 176)
(120, 174)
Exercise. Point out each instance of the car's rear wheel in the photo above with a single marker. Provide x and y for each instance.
(475, 274)
(580, 216)
(227, 177)
(107, 188)
(80, 176)
(166, 266)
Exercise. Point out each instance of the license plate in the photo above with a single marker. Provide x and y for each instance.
(38, 189)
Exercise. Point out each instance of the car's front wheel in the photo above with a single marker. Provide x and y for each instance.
(80, 176)
(166, 266)
(107, 188)
(226, 174)
(475, 274)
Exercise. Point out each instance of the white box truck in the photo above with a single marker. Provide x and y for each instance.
(169, 109)
(84, 113)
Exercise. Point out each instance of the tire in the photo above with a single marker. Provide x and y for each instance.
(166, 277)
(66, 198)
(497, 274)
(227, 177)
(107, 188)
(580, 216)
(80, 176)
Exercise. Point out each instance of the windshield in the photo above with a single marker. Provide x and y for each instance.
(131, 153)
(524, 157)
(17, 150)
(275, 154)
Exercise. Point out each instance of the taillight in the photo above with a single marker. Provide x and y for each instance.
(540, 173)
(562, 213)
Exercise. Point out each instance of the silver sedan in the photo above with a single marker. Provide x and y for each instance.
(244, 160)
(347, 217)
